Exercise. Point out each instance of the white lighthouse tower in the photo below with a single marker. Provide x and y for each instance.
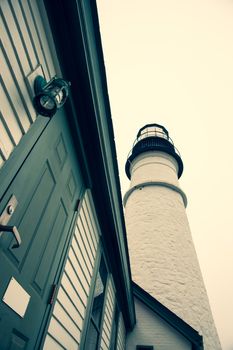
(162, 253)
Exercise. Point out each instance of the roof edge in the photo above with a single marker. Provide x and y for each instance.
(170, 317)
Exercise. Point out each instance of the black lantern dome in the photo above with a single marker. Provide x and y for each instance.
(153, 137)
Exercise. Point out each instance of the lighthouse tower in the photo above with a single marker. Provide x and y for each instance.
(162, 253)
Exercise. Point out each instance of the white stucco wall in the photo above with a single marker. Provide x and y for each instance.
(162, 253)
(151, 329)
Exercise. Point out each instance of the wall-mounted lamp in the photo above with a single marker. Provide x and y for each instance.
(50, 96)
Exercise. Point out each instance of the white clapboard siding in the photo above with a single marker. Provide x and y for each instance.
(108, 317)
(23, 49)
(120, 344)
(68, 316)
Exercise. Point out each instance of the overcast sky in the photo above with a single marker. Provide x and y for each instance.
(171, 62)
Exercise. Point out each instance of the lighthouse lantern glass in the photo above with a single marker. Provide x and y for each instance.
(152, 131)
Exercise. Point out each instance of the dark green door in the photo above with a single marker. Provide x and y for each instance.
(47, 188)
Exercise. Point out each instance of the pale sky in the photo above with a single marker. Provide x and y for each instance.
(171, 62)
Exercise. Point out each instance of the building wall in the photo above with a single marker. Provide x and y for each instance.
(150, 329)
(66, 324)
(24, 54)
(121, 334)
(108, 317)
(26, 51)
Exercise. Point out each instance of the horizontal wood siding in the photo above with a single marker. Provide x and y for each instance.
(68, 316)
(121, 334)
(108, 317)
(23, 48)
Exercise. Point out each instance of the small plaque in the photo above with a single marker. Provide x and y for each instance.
(16, 297)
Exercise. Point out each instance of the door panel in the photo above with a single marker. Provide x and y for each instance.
(47, 188)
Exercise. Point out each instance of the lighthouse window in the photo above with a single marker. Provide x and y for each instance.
(152, 131)
(160, 132)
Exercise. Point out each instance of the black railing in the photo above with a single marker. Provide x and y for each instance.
(152, 139)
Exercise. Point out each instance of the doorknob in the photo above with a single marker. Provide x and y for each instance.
(14, 231)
